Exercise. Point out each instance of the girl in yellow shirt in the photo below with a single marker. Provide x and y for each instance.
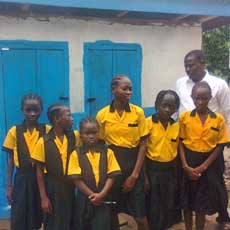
(20, 141)
(161, 161)
(93, 168)
(202, 137)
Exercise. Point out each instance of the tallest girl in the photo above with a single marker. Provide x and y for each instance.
(123, 128)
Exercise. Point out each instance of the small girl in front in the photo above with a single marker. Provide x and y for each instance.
(202, 137)
(161, 161)
(93, 168)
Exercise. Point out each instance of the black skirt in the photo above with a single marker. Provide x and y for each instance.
(132, 202)
(60, 191)
(90, 217)
(208, 194)
(26, 211)
(163, 199)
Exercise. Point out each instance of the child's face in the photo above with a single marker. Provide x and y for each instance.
(89, 133)
(65, 120)
(31, 109)
(123, 91)
(201, 97)
(167, 107)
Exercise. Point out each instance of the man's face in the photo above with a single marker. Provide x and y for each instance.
(194, 68)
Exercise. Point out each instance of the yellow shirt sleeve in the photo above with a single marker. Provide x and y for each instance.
(143, 129)
(10, 140)
(113, 165)
(99, 118)
(48, 127)
(38, 153)
(222, 139)
(74, 167)
(182, 132)
(77, 138)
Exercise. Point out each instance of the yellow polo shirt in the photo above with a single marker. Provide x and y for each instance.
(202, 137)
(162, 143)
(125, 130)
(94, 159)
(31, 139)
(38, 153)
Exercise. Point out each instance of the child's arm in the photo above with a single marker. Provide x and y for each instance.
(97, 199)
(193, 175)
(131, 180)
(45, 202)
(201, 168)
(9, 177)
(80, 184)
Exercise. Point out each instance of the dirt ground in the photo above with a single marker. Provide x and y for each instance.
(211, 223)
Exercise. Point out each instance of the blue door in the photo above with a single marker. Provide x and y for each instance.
(40, 67)
(102, 61)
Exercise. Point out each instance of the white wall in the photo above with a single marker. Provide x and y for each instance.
(163, 48)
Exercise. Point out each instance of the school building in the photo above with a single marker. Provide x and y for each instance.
(67, 51)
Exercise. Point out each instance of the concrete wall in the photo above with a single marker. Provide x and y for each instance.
(163, 48)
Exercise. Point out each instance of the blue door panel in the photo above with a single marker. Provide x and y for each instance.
(97, 80)
(128, 62)
(3, 156)
(52, 74)
(19, 78)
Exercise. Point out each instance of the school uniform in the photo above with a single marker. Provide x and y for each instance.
(25, 209)
(54, 155)
(94, 169)
(208, 193)
(123, 134)
(161, 168)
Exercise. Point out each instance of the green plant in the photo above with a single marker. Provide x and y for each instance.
(215, 45)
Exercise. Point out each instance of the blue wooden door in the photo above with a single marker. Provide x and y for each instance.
(38, 67)
(102, 61)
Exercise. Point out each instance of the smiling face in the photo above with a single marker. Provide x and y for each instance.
(31, 109)
(123, 90)
(166, 107)
(89, 133)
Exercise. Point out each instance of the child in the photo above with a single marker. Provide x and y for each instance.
(19, 143)
(161, 161)
(52, 153)
(93, 167)
(123, 127)
(202, 134)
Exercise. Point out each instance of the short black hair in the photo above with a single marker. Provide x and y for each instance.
(198, 54)
(87, 120)
(31, 96)
(201, 84)
(161, 95)
(54, 112)
(116, 79)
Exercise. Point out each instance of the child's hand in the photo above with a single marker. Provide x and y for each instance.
(129, 184)
(46, 205)
(199, 170)
(191, 172)
(96, 199)
(9, 195)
